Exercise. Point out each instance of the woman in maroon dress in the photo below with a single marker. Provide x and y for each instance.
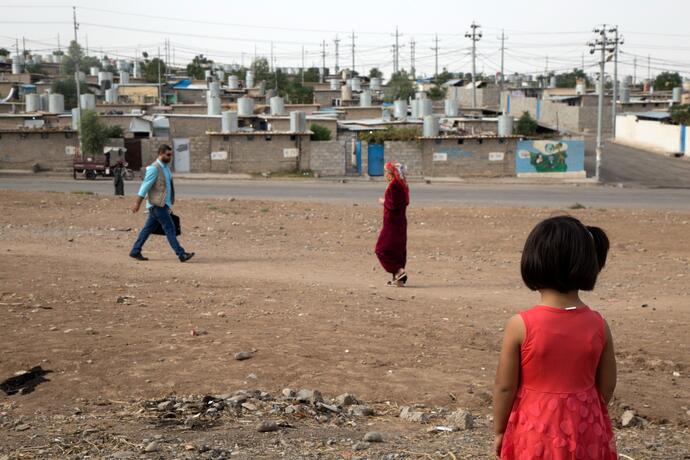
(391, 247)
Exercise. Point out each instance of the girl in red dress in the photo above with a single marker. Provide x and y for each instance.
(391, 247)
(557, 369)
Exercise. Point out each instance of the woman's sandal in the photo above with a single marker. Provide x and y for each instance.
(401, 278)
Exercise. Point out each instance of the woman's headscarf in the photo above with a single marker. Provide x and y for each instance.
(399, 172)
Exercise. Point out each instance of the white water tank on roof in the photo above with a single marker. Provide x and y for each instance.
(249, 79)
(122, 65)
(346, 93)
(88, 102)
(414, 108)
(212, 104)
(32, 103)
(136, 70)
(552, 81)
(375, 84)
(505, 125)
(105, 78)
(356, 84)
(124, 78)
(245, 106)
(298, 122)
(75, 119)
(400, 109)
(430, 127)
(451, 107)
(208, 75)
(365, 98)
(277, 105)
(233, 82)
(625, 94)
(214, 88)
(335, 84)
(420, 95)
(425, 107)
(44, 101)
(220, 75)
(229, 121)
(56, 103)
(93, 71)
(111, 96)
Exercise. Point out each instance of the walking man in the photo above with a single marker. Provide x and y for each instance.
(159, 190)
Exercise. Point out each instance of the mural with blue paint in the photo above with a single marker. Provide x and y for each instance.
(550, 156)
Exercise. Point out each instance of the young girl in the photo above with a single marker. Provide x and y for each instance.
(557, 369)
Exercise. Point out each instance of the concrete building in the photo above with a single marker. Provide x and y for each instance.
(51, 149)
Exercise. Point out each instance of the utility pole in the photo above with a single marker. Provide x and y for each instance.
(603, 44)
(435, 50)
(271, 66)
(76, 78)
(24, 47)
(58, 37)
(649, 68)
(475, 36)
(503, 39)
(617, 40)
(353, 50)
(413, 71)
(160, 89)
(336, 41)
(396, 51)
(86, 38)
(302, 65)
(583, 62)
(323, 60)
(634, 71)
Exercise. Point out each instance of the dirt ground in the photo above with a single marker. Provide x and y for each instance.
(298, 286)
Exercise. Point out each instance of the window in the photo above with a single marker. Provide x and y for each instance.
(461, 141)
(268, 138)
(45, 135)
(250, 138)
(480, 141)
(226, 138)
(69, 134)
(293, 137)
(438, 141)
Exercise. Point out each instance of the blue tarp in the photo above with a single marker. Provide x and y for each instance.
(182, 84)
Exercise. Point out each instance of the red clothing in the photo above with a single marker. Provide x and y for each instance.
(391, 247)
(558, 413)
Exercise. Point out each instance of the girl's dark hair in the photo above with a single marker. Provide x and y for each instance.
(561, 253)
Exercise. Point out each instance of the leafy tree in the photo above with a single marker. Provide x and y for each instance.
(444, 77)
(262, 71)
(321, 133)
(58, 53)
(4, 52)
(666, 81)
(312, 74)
(680, 114)
(149, 70)
(526, 125)
(569, 79)
(34, 68)
(94, 133)
(114, 131)
(199, 64)
(400, 86)
(436, 93)
(298, 94)
(75, 53)
(68, 89)
(374, 72)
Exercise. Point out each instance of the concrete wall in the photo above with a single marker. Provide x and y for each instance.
(306, 108)
(181, 126)
(124, 108)
(470, 158)
(325, 98)
(651, 135)
(256, 153)
(283, 124)
(408, 153)
(486, 97)
(117, 120)
(329, 158)
(20, 150)
(190, 96)
(189, 109)
(11, 107)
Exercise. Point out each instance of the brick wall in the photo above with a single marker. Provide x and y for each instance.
(328, 158)
(252, 153)
(469, 158)
(22, 150)
(182, 127)
(408, 153)
(359, 113)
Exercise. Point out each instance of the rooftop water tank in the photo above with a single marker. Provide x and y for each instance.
(104, 77)
(56, 103)
(356, 84)
(346, 93)
(430, 128)
(208, 75)
(245, 106)
(88, 101)
(111, 96)
(212, 104)
(625, 94)
(32, 103)
(365, 98)
(298, 122)
(249, 79)
(277, 106)
(136, 71)
(220, 75)
(335, 84)
(451, 107)
(375, 84)
(214, 88)
(400, 110)
(124, 78)
(414, 108)
(229, 121)
(75, 119)
(425, 107)
(233, 82)
(505, 125)
(44, 101)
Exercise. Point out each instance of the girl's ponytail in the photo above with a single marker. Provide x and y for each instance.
(601, 244)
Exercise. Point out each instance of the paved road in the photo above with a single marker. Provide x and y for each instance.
(638, 168)
(514, 195)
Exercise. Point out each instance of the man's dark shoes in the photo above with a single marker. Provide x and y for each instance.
(138, 257)
(186, 256)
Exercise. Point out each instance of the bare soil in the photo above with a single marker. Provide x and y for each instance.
(298, 285)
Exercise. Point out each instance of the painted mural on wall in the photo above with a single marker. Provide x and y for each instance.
(555, 155)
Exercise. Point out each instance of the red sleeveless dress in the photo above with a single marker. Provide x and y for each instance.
(558, 412)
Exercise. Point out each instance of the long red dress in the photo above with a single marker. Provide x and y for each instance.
(391, 247)
(558, 412)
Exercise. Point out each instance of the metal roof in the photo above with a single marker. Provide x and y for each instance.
(653, 115)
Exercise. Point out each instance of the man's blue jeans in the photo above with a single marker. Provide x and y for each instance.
(162, 215)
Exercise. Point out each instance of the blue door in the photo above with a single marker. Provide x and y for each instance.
(358, 155)
(375, 159)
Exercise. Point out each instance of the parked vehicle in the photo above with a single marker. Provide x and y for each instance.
(101, 164)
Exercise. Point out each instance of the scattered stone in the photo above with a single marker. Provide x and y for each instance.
(373, 436)
(360, 446)
(267, 427)
(288, 393)
(123, 454)
(329, 407)
(629, 419)
(166, 405)
(461, 419)
(361, 411)
(410, 415)
(242, 355)
(151, 447)
(312, 396)
(346, 399)
(21, 427)
(249, 406)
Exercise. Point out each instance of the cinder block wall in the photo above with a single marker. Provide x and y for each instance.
(408, 153)
(328, 157)
(182, 127)
(22, 150)
(251, 153)
(469, 158)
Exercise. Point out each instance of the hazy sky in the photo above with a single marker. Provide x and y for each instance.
(232, 31)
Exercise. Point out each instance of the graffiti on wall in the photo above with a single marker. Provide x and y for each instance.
(542, 156)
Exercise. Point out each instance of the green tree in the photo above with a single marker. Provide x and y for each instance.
(150, 72)
(68, 89)
(666, 81)
(569, 79)
(312, 74)
(199, 64)
(262, 71)
(58, 53)
(680, 114)
(400, 86)
(444, 76)
(374, 72)
(4, 52)
(75, 53)
(298, 94)
(321, 133)
(526, 125)
(436, 93)
(94, 133)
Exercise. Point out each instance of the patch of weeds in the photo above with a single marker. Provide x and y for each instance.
(82, 192)
(214, 208)
(264, 209)
(577, 206)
